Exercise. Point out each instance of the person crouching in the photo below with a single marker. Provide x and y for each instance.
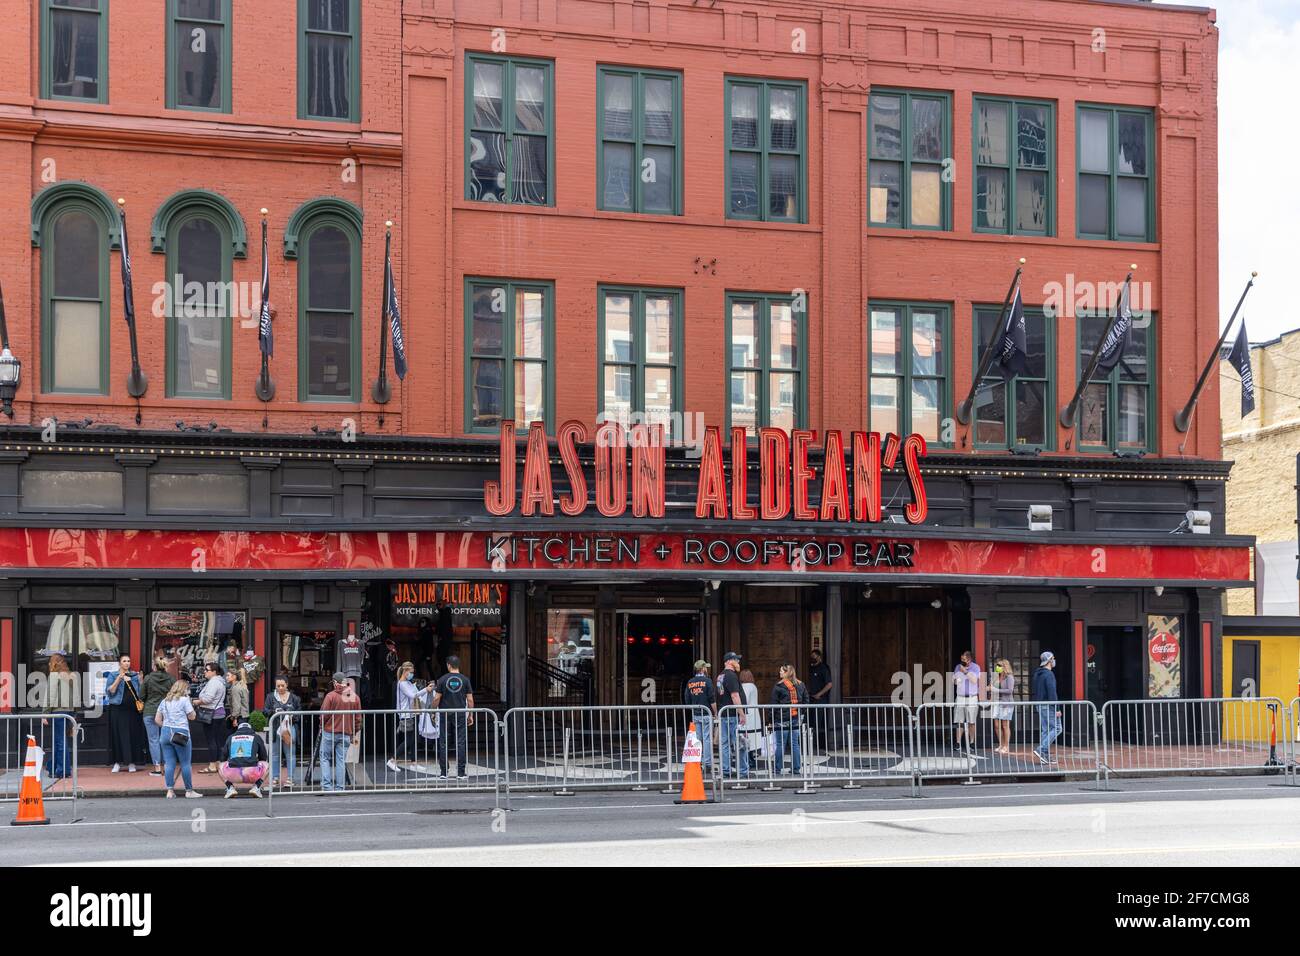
(246, 760)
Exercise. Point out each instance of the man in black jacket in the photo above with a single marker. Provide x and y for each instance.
(246, 760)
(1049, 713)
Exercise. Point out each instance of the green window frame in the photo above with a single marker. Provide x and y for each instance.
(640, 141)
(50, 300)
(901, 375)
(902, 161)
(633, 360)
(70, 12)
(1120, 177)
(1016, 400)
(305, 306)
(317, 34)
(1014, 166)
(752, 357)
(517, 351)
(1114, 402)
(177, 297)
(760, 161)
(496, 136)
(195, 26)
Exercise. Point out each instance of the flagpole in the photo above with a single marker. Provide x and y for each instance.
(137, 383)
(964, 409)
(1183, 420)
(265, 387)
(1070, 412)
(382, 392)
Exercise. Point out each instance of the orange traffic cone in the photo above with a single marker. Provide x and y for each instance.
(31, 802)
(692, 778)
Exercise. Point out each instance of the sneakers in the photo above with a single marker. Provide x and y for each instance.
(171, 795)
(1042, 757)
(192, 794)
(230, 792)
(116, 768)
(131, 768)
(392, 765)
(155, 773)
(257, 792)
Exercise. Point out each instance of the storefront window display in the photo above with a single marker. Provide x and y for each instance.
(72, 650)
(570, 645)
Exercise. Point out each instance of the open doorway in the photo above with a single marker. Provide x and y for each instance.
(658, 651)
(1114, 663)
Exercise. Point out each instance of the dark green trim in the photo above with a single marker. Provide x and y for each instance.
(509, 64)
(47, 80)
(764, 149)
(905, 181)
(75, 189)
(507, 356)
(320, 206)
(354, 81)
(905, 374)
(1113, 175)
(1112, 383)
(764, 367)
(1013, 164)
(226, 23)
(328, 216)
(217, 205)
(1008, 397)
(638, 142)
(176, 294)
(638, 362)
(70, 201)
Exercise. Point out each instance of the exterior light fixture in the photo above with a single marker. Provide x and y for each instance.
(1040, 517)
(11, 370)
(1159, 589)
(1198, 522)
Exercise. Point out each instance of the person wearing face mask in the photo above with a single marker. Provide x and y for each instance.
(409, 696)
(1049, 710)
(1002, 691)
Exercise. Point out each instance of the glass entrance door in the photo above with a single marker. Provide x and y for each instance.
(658, 652)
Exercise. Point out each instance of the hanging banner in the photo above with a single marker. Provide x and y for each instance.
(1164, 657)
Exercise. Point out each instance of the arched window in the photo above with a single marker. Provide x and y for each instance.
(74, 237)
(199, 303)
(329, 356)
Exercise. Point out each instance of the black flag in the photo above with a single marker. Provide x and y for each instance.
(1240, 359)
(1118, 339)
(264, 337)
(128, 296)
(394, 313)
(1012, 354)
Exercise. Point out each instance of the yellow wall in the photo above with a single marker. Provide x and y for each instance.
(1279, 669)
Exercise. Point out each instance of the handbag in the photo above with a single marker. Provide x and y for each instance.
(139, 704)
(204, 714)
(429, 728)
(179, 738)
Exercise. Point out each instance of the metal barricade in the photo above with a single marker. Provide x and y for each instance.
(1006, 739)
(1293, 737)
(1219, 734)
(852, 745)
(369, 751)
(562, 749)
(58, 735)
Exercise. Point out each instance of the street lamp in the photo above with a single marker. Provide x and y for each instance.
(11, 370)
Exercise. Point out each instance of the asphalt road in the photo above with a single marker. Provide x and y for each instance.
(1151, 822)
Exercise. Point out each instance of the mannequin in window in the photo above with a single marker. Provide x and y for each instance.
(350, 657)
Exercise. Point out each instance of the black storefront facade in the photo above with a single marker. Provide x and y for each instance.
(285, 545)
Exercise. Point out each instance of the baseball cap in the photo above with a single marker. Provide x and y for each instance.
(731, 656)
(340, 677)
(1046, 656)
(701, 665)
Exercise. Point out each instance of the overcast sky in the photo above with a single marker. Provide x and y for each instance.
(1259, 201)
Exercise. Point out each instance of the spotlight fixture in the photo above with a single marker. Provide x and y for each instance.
(1040, 517)
(936, 604)
(1159, 589)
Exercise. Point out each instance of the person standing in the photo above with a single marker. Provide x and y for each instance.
(212, 713)
(1049, 711)
(732, 722)
(408, 697)
(238, 680)
(753, 718)
(156, 687)
(173, 717)
(453, 692)
(820, 686)
(284, 738)
(788, 694)
(1003, 691)
(123, 703)
(338, 730)
(966, 680)
(702, 697)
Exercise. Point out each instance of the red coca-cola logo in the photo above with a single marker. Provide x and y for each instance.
(1164, 649)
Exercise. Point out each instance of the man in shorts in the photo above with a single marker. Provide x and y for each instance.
(966, 679)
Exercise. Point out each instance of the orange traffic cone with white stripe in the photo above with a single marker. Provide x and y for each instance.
(31, 801)
(692, 777)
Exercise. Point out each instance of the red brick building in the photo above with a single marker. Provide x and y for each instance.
(802, 217)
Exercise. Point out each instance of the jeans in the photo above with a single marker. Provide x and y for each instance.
(1049, 727)
(788, 732)
(732, 737)
(176, 754)
(152, 731)
(282, 753)
(704, 730)
(333, 757)
(460, 723)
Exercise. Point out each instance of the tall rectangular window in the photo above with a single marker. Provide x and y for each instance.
(198, 55)
(640, 335)
(1117, 408)
(766, 137)
(74, 50)
(508, 344)
(1013, 166)
(908, 379)
(639, 123)
(766, 343)
(908, 142)
(1016, 413)
(508, 130)
(1116, 195)
(329, 62)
